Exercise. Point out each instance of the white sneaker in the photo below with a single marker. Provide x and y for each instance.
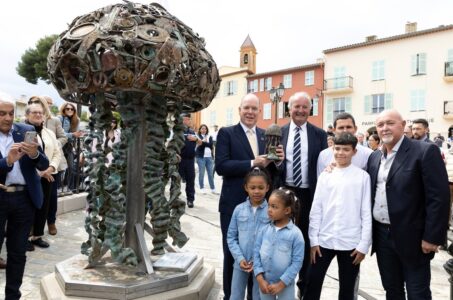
(203, 191)
(214, 192)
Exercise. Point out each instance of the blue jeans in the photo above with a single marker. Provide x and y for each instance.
(288, 293)
(239, 283)
(17, 211)
(202, 163)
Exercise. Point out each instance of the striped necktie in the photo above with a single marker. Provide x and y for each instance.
(297, 168)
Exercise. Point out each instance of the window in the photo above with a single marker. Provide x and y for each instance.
(334, 106)
(418, 100)
(212, 117)
(339, 77)
(450, 55)
(281, 109)
(288, 81)
(229, 116)
(261, 84)
(314, 107)
(378, 70)
(246, 59)
(267, 111)
(231, 88)
(268, 84)
(253, 86)
(419, 64)
(449, 63)
(309, 78)
(376, 103)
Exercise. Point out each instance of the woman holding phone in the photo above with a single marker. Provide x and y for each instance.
(34, 115)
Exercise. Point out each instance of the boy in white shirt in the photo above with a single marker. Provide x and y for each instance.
(340, 220)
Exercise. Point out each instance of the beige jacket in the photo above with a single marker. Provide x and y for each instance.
(52, 148)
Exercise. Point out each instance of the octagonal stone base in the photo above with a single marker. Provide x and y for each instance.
(113, 281)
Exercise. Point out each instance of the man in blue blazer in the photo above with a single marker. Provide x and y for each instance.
(299, 171)
(234, 158)
(411, 203)
(20, 193)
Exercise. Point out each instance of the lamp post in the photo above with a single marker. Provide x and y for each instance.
(276, 95)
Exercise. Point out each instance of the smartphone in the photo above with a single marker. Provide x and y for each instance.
(30, 136)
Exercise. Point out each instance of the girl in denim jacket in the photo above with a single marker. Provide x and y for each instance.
(248, 218)
(279, 249)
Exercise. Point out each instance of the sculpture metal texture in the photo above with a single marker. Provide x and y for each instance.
(150, 67)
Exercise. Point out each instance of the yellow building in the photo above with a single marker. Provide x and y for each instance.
(223, 110)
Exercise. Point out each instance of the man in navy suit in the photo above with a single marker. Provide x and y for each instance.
(299, 172)
(411, 201)
(238, 149)
(20, 193)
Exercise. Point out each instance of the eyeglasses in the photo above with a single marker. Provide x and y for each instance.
(36, 112)
(69, 108)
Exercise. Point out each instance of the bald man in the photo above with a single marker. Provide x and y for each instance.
(411, 201)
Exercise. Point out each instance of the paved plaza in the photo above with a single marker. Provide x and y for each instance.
(202, 225)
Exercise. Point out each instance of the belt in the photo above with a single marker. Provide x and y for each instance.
(13, 188)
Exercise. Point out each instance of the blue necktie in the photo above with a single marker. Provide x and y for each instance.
(297, 169)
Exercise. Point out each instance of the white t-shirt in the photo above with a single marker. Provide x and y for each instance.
(360, 159)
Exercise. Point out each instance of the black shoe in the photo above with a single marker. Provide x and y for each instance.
(30, 246)
(40, 243)
(190, 204)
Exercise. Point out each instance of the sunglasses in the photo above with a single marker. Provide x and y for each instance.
(69, 108)
(34, 102)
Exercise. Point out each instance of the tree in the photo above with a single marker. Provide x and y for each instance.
(33, 64)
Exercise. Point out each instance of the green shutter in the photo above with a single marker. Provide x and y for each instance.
(388, 101)
(235, 87)
(414, 65)
(422, 63)
(367, 103)
(450, 55)
(225, 88)
(348, 105)
(329, 111)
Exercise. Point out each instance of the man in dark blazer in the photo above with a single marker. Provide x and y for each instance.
(312, 141)
(233, 160)
(411, 201)
(20, 193)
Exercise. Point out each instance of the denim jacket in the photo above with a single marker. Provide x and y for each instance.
(66, 124)
(243, 229)
(279, 254)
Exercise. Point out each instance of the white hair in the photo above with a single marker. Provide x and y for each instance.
(299, 95)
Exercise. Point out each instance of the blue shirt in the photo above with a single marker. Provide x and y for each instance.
(279, 253)
(243, 229)
(15, 175)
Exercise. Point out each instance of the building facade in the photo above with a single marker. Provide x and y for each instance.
(308, 78)
(411, 72)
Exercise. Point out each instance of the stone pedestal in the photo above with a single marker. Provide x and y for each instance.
(188, 278)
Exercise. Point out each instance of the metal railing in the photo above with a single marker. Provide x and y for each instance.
(338, 83)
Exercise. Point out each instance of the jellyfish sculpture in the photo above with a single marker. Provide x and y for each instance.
(147, 65)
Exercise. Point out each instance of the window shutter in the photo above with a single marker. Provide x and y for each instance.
(367, 105)
(450, 55)
(235, 87)
(374, 71)
(414, 65)
(348, 104)
(225, 88)
(388, 101)
(422, 63)
(329, 111)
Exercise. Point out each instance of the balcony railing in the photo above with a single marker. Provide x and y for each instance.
(338, 85)
(448, 68)
(448, 109)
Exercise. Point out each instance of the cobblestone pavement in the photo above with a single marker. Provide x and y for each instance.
(202, 225)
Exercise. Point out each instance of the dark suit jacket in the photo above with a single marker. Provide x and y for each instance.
(317, 141)
(27, 166)
(232, 161)
(418, 196)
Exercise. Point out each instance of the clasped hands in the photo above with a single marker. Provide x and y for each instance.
(267, 288)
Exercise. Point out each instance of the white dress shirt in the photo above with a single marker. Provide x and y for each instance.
(245, 128)
(15, 175)
(303, 154)
(380, 209)
(340, 216)
(360, 159)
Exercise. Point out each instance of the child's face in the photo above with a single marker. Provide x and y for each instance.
(256, 188)
(277, 210)
(343, 154)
